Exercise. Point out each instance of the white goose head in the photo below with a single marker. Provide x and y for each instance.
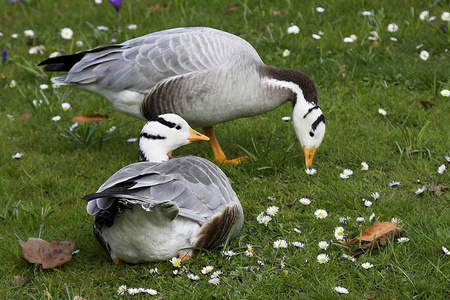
(307, 117)
(163, 134)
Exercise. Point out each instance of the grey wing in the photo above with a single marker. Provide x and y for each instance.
(141, 63)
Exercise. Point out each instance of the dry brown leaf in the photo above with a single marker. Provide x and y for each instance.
(436, 189)
(277, 12)
(373, 232)
(20, 280)
(157, 7)
(380, 241)
(48, 255)
(427, 104)
(89, 118)
(231, 8)
(24, 116)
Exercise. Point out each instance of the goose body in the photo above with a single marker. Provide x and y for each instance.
(205, 75)
(149, 210)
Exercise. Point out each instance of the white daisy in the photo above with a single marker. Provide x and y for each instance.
(215, 280)
(316, 36)
(424, 55)
(339, 233)
(353, 37)
(320, 9)
(286, 119)
(29, 33)
(375, 195)
(298, 244)
(293, 29)
(207, 269)
(56, 118)
(265, 220)
(445, 250)
(79, 44)
(395, 220)
(249, 251)
(392, 27)
(367, 203)
(152, 291)
(348, 40)
(344, 220)
(394, 183)
(445, 16)
(360, 220)
(381, 111)
(12, 84)
(216, 274)
(132, 27)
(445, 93)
(122, 290)
(402, 240)
(66, 33)
(176, 262)
(272, 210)
(286, 53)
(54, 54)
(323, 245)
(424, 15)
(420, 190)
(441, 169)
(372, 217)
(296, 229)
(154, 271)
(14, 35)
(18, 155)
(65, 106)
(340, 290)
(349, 257)
(102, 28)
(310, 171)
(322, 258)
(366, 13)
(279, 244)
(132, 140)
(305, 201)
(320, 214)
(364, 166)
(367, 265)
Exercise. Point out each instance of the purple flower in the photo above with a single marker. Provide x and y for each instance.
(443, 28)
(116, 4)
(4, 54)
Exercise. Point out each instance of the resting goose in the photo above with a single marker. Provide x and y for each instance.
(205, 75)
(149, 210)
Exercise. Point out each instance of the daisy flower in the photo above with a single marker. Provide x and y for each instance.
(43, 86)
(367, 265)
(305, 201)
(73, 126)
(215, 280)
(265, 220)
(381, 111)
(176, 262)
(10, 117)
(154, 271)
(392, 27)
(207, 269)
(54, 54)
(293, 29)
(445, 93)
(353, 37)
(18, 155)
(445, 16)
(364, 166)
(102, 28)
(394, 183)
(229, 253)
(79, 44)
(402, 240)
(372, 217)
(249, 251)
(347, 172)
(373, 36)
(132, 27)
(122, 290)
(343, 176)
(420, 190)
(286, 53)
(271, 198)
(98, 1)
(323, 245)
(286, 119)
(424, 55)
(310, 171)
(279, 244)
(344, 220)
(366, 13)
(339, 233)
(298, 244)
(14, 35)
(56, 118)
(66, 33)
(152, 291)
(65, 106)
(441, 169)
(316, 36)
(445, 250)
(348, 40)
(322, 258)
(320, 214)
(340, 290)
(360, 219)
(320, 9)
(297, 230)
(216, 274)
(395, 220)
(424, 15)
(349, 257)
(375, 195)
(367, 203)
(132, 140)
(29, 33)
(272, 210)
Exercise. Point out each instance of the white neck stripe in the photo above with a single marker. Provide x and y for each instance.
(285, 85)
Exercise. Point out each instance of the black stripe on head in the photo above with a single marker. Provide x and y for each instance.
(164, 122)
(316, 123)
(310, 110)
(145, 135)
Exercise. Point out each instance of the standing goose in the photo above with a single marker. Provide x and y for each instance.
(148, 211)
(205, 75)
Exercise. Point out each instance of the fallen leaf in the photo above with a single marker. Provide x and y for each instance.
(381, 241)
(427, 104)
(24, 116)
(89, 118)
(20, 280)
(48, 255)
(372, 232)
(436, 189)
(157, 7)
(277, 12)
(231, 8)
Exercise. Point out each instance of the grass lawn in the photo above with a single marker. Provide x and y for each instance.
(41, 193)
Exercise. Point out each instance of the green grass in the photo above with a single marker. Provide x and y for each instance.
(41, 194)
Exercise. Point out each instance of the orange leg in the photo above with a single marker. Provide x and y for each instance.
(218, 153)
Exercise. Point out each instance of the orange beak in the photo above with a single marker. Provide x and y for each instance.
(309, 155)
(197, 136)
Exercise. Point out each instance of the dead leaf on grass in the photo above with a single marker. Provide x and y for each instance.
(436, 189)
(380, 241)
(48, 255)
(373, 232)
(231, 8)
(24, 116)
(157, 7)
(20, 280)
(427, 104)
(89, 118)
(277, 12)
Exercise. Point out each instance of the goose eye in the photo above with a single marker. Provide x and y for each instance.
(311, 134)
(178, 127)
